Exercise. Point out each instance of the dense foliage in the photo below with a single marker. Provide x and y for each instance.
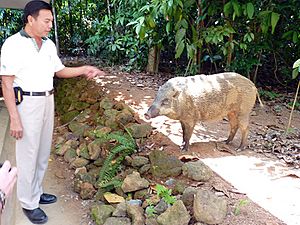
(259, 39)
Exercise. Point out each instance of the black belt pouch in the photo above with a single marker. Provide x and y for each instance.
(18, 95)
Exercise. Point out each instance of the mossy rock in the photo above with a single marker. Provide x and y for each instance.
(83, 151)
(106, 103)
(80, 105)
(70, 155)
(69, 116)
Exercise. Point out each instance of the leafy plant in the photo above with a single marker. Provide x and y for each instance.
(271, 95)
(165, 194)
(296, 106)
(237, 209)
(150, 211)
(125, 146)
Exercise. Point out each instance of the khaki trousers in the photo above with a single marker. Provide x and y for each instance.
(33, 150)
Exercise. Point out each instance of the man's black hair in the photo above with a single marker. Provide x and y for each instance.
(32, 8)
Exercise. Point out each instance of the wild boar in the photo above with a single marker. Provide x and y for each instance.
(207, 98)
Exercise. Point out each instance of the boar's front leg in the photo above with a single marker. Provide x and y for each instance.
(187, 130)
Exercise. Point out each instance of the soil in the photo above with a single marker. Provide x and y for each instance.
(138, 91)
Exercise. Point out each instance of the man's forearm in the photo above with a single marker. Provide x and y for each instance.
(69, 72)
(9, 98)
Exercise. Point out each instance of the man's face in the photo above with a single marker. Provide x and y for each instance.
(42, 24)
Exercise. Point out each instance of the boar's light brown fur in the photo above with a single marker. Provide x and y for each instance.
(206, 98)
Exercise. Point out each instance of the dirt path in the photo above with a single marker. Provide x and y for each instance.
(69, 209)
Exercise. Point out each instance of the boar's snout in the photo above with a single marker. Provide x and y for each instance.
(152, 112)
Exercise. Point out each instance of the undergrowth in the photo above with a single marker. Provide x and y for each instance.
(125, 146)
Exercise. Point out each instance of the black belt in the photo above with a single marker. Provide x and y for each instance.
(43, 93)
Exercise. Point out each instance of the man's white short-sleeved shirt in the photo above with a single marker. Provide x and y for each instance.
(33, 69)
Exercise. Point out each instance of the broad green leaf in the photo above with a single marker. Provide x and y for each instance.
(184, 23)
(250, 10)
(274, 20)
(141, 19)
(296, 64)
(236, 8)
(137, 29)
(233, 16)
(142, 32)
(295, 37)
(288, 34)
(264, 13)
(243, 46)
(168, 27)
(145, 8)
(180, 3)
(190, 50)
(179, 35)
(295, 73)
(264, 28)
(151, 22)
(194, 34)
(228, 8)
(131, 23)
(179, 49)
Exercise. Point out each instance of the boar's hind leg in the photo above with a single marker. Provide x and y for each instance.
(233, 121)
(244, 126)
(187, 130)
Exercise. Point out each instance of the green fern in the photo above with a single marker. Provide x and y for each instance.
(110, 185)
(125, 146)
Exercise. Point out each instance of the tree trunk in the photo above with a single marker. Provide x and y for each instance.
(70, 19)
(229, 50)
(55, 27)
(153, 59)
(200, 26)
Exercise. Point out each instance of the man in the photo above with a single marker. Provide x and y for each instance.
(29, 60)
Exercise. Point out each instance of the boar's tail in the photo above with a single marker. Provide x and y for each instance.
(260, 102)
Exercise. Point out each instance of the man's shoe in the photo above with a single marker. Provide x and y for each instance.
(36, 216)
(47, 199)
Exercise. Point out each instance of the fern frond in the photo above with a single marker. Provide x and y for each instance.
(126, 146)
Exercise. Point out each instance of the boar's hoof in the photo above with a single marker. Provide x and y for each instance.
(227, 141)
(147, 116)
(241, 148)
(184, 147)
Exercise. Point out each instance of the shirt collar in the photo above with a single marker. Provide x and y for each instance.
(24, 34)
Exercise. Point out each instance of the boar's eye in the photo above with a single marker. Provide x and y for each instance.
(165, 102)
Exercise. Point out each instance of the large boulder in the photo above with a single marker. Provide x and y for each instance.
(175, 215)
(197, 171)
(87, 191)
(139, 161)
(140, 130)
(209, 208)
(134, 182)
(164, 165)
(100, 213)
(136, 213)
(62, 149)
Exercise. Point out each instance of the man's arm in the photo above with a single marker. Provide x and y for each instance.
(88, 71)
(16, 128)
